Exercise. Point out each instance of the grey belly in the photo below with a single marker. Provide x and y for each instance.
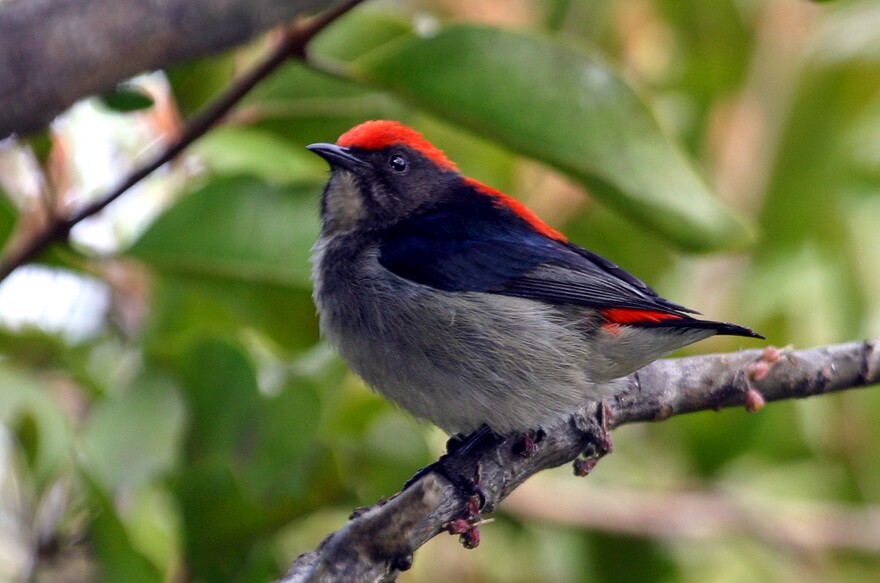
(462, 359)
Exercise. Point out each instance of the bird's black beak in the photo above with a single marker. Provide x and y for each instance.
(337, 156)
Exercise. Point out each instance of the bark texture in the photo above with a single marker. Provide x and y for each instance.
(54, 52)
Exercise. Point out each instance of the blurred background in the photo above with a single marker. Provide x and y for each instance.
(169, 413)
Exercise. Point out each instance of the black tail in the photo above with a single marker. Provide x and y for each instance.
(721, 328)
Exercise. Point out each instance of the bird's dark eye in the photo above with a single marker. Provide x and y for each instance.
(397, 163)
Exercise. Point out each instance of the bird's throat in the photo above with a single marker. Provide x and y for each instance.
(343, 203)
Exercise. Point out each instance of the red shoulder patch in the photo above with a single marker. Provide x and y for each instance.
(517, 207)
(633, 316)
(380, 133)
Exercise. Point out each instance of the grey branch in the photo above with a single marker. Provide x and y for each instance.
(379, 541)
(54, 52)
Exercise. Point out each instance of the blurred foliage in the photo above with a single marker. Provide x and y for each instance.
(202, 431)
(126, 98)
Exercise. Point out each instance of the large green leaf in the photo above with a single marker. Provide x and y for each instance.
(220, 386)
(359, 32)
(237, 228)
(186, 307)
(233, 254)
(118, 557)
(252, 460)
(565, 106)
(243, 150)
(135, 436)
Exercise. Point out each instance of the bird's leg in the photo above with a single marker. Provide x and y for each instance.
(606, 446)
(600, 438)
(467, 527)
(469, 487)
(528, 445)
(457, 445)
(757, 371)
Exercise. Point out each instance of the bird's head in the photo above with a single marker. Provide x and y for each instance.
(382, 172)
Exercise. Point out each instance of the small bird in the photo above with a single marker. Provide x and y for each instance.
(459, 304)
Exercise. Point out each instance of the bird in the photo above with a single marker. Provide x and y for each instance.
(456, 302)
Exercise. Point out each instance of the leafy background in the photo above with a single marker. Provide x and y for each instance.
(169, 413)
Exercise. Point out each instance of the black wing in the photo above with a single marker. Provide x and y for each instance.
(488, 249)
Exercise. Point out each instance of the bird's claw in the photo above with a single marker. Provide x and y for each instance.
(600, 446)
(528, 445)
(468, 528)
(757, 371)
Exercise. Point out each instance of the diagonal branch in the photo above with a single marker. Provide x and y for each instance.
(292, 43)
(379, 542)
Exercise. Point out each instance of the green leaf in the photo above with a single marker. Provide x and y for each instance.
(135, 436)
(127, 98)
(40, 144)
(566, 107)
(305, 106)
(248, 266)
(118, 559)
(359, 32)
(237, 228)
(8, 217)
(251, 459)
(198, 81)
(288, 425)
(186, 306)
(220, 387)
(241, 150)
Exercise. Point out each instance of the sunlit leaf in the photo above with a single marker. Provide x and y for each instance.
(849, 35)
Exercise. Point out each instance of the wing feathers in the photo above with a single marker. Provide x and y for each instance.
(479, 246)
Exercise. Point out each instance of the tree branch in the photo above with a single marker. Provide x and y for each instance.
(54, 52)
(291, 44)
(378, 542)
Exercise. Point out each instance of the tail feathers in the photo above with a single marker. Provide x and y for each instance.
(720, 328)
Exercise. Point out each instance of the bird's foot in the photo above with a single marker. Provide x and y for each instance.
(600, 440)
(757, 371)
(468, 526)
(528, 445)
(456, 445)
